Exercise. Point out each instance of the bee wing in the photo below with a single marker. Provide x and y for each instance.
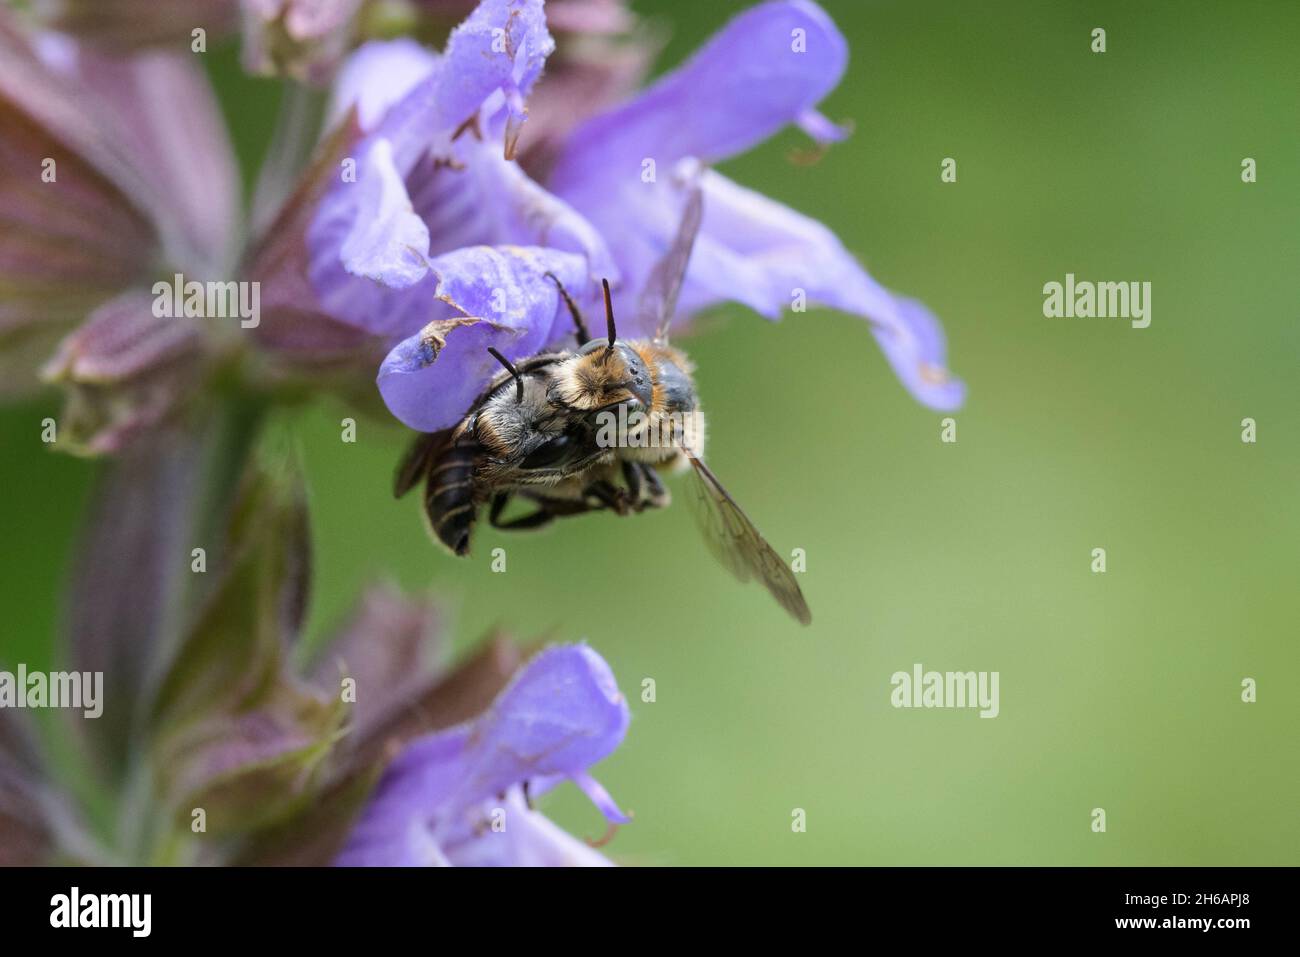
(415, 463)
(659, 297)
(736, 543)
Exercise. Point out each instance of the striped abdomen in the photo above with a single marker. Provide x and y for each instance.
(449, 500)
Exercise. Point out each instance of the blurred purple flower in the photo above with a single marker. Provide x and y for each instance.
(121, 26)
(461, 796)
(113, 167)
(435, 175)
(304, 39)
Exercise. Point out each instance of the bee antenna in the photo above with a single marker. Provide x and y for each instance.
(581, 333)
(519, 380)
(609, 316)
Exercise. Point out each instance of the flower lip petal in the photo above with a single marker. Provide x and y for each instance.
(486, 296)
(598, 796)
(560, 714)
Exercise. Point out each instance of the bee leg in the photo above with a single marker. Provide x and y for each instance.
(635, 487)
(499, 503)
(607, 494)
(542, 516)
(657, 496)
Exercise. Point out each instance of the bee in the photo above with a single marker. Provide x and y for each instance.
(563, 428)
(663, 426)
(511, 441)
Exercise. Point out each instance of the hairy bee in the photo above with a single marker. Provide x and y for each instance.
(663, 426)
(513, 440)
(562, 429)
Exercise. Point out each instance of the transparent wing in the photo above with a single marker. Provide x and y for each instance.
(737, 544)
(659, 298)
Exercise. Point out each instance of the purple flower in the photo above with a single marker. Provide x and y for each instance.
(770, 66)
(434, 175)
(461, 796)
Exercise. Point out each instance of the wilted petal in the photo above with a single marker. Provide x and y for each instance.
(488, 297)
(764, 70)
(126, 25)
(123, 371)
(304, 39)
(560, 715)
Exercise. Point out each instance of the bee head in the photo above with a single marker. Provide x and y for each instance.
(599, 376)
(603, 373)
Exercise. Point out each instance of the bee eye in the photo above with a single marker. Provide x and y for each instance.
(548, 453)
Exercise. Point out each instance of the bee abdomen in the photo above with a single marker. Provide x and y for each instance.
(449, 499)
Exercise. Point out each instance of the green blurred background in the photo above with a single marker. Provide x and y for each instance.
(1120, 690)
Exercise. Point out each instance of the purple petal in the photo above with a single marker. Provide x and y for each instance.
(561, 714)
(376, 77)
(389, 244)
(493, 57)
(431, 190)
(491, 201)
(485, 297)
(529, 839)
(598, 796)
(745, 84)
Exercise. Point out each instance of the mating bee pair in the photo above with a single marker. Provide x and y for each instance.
(588, 430)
